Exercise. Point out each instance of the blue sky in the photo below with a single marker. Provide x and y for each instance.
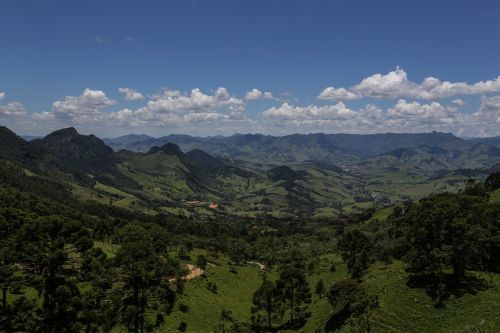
(63, 62)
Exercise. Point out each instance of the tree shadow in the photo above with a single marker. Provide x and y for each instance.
(337, 320)
(297, 325)
(442, 287)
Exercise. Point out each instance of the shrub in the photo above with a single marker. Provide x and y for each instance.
(183, 307)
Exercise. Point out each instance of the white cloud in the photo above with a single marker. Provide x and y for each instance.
(220, 112)
(256, 94)
(173, 108)
(222, 93)
(395, 84)
(490, 103)
(311, 112)
(175, 102)
(486, 120)
(83, 108)
(405, 115)
(13, 109)
(402, 117)
(131, 94)
(340, 94)
(2, 95)
(169, 109)
(268, 95)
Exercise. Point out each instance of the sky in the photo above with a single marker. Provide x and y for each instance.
(219, 67)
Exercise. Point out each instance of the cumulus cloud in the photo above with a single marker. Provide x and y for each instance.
(131, 94)
(170, 108)
(220, 112)
(337, 94)
(396, 84)
(84, 108)
(486, 119)
(490, 104)
(13, 109)
(175, 102)
(174, 108)
(2, 95)
(311, 112)
(256, 94)
(404, 116)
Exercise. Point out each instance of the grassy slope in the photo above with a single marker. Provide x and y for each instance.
(381, 215)
(234, 293)
(495, 196)
(403, 309)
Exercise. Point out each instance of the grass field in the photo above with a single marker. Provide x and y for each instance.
(380, 215)
(402, 309)
(405, 309)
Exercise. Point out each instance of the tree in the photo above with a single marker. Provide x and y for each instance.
(97, 311)
(201, 261)
(320, 288)
(183, 253)
(355, 248)
(351, 302)
(229, 324)
(143, 270)
(295, 290)
(493, 181)
(46, 245)
(444, 232)
(473, 187)
(6, 277)
(267, 305)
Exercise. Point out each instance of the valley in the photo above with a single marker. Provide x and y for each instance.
(317, 175)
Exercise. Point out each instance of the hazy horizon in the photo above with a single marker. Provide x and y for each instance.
(240, 134)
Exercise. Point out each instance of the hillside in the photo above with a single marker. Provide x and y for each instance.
(166, 173)
(429, 159)
(291, 149)
(13, 147)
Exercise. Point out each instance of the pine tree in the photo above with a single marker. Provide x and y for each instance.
(295, 290)
(320, 288)
(267, 305)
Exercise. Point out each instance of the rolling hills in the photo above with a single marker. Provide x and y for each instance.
(319, 174)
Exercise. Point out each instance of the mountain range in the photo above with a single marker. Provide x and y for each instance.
(251, 174)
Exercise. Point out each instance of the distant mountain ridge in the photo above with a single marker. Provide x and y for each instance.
(493, 141)
(298, 148)
(251, 174)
